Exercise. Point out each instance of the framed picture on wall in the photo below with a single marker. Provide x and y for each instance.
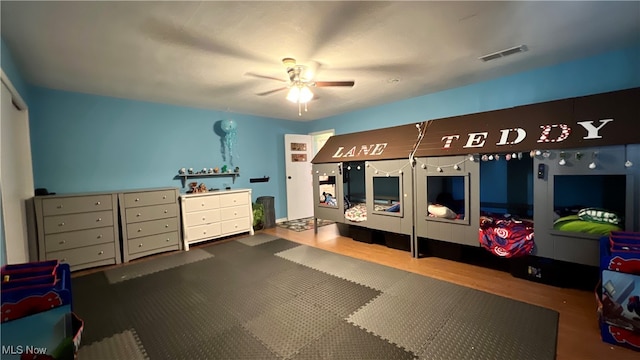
(298, 157)
(298, 147)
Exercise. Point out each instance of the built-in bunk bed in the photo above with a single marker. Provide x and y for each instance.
(555, 176)
(365, 183)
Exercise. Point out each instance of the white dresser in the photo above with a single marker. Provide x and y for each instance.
(211, 215)
(79, 229)
(150, 222)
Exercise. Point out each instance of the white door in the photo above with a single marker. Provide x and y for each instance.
(298, 153)
(16, 177)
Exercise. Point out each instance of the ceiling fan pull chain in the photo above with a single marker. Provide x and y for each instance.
(299, 109)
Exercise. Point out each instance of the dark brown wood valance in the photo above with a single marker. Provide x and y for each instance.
(605, 119)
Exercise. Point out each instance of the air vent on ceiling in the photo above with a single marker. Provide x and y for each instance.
(503, 53)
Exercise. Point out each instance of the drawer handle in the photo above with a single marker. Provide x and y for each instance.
(59, 206)
(98, 203)
(235, 213)
(203, 218)
(139, 230)
(63, 260)
(100, 236)
(164, 197)
(138, 214)
(99, 219)
(202, 204)
(137, 199)
(62, 242)
(61, 224)
(166, 225)
(139, 245)
(168, 240)
(204, 232)
(166, 211)
(101, 252)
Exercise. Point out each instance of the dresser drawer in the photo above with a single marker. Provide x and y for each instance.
(152, 227)
(233, 199)
(74, 239)
(202, 217)
(202, 232)
(71, 222)
(234, 212)
(148, 243)
(79, 204)
(151, 212)
(202, 203)
(84, 255)
(149, 198)
(236, 225)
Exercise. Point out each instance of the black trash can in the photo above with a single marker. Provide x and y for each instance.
(269, 210)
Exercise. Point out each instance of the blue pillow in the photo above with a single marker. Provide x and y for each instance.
(394, 208)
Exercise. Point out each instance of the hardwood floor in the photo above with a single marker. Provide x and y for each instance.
(578, 331)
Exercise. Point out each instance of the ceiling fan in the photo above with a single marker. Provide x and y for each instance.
(300, 82)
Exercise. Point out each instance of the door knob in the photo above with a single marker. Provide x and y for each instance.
(288, 177)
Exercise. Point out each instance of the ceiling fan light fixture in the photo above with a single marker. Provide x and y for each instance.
(294, 94)
(300, 94)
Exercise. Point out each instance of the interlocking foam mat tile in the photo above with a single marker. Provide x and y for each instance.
(263, 297)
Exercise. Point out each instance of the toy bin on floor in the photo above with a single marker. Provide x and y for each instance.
(618, 294)
(37, 318)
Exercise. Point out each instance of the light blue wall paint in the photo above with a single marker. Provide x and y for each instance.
(610, 71)
(93, 143)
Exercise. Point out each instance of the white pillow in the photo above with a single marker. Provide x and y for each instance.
(441, 211)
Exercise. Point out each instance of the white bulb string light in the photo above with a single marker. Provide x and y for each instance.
(379, 171)
(546, 154)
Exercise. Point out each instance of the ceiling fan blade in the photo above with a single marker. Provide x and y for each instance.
(166, 32)
(271, 91)
(265, 77)
(334, 83)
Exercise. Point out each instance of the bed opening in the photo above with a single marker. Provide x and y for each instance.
(448, 198)
(328, 191)
(387, 192)
(589, 204)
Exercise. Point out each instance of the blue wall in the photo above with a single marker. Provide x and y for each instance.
(92, 143)
(606, 72)
(85, 142)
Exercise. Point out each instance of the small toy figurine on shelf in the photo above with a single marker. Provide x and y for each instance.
(192, 187)
(224, 169)
(237, 169)
(216, 170)
(195, 188)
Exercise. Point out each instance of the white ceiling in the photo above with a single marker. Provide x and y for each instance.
(199, 53)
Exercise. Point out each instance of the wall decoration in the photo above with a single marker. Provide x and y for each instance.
(229, 127)
(298, 157)
(298, 147)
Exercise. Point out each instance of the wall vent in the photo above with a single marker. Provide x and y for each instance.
(503, 53)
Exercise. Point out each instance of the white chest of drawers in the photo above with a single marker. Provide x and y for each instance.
(79, 229)
(150, 222)
(211, 215)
